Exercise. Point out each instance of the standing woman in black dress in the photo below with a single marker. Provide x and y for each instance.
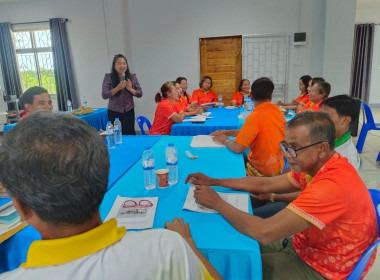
(120, 86)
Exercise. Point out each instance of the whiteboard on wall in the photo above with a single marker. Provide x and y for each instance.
(267, 55)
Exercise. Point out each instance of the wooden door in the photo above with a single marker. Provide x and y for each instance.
(221, 60)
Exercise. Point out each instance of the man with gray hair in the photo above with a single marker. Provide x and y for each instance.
(55, 168)
(332, 221)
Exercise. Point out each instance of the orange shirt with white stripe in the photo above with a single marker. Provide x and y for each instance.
(262, 132)
(338, 205)
(312, 106)
(162, 124)
(203, 97)
(184, 102)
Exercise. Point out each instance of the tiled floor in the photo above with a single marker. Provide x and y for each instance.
(370, 173)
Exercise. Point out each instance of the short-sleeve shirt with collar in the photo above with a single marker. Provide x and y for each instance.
(162, 123)
(203, 97)
(262, 132)
(303, 98)
(238, 97)
(109, 252)
(338, 205)
(316, 107)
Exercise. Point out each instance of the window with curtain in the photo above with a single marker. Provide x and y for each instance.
(35, 58)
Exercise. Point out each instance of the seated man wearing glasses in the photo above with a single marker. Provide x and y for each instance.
(35, 98)
(55, 169)
(332, 221)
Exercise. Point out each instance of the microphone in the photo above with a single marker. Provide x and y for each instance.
(122, 77)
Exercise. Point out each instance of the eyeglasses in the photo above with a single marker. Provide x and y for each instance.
(143, 203)
(292, 151)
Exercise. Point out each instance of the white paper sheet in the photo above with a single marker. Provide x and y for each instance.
(238, 200)
(138, 217)
(205, 141)
(196, 118)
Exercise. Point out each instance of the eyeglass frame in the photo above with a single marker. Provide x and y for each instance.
(287, 149)
(137, 205)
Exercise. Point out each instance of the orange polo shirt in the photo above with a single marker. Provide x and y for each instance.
(262, 131)
(162, 123)
(339, 207)
(203, 97)
(303, 98)
(184, 103)
(239, 97)
(311, 105)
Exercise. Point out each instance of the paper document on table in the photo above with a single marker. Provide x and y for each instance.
(196, 118)
(238, 200)
(205, 141)
(206, 114)
(134, 212)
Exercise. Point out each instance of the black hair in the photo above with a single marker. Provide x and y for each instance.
(28, 96)
(262, 89)
(344, 106)
(114, 75)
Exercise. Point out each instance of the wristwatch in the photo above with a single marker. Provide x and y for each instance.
(271, 199)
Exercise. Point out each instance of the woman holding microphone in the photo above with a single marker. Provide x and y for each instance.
(120, 86)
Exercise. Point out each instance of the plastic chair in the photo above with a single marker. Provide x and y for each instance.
(368, 124)
(141, 120)
(360, 266)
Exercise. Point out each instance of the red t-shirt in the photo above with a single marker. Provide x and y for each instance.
(238, 97)
(339, 206)
(311, 105)
(303, 98)
(183, 103)
(203, 97)
(162, 124)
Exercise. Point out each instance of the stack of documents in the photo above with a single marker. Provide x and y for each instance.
(9, 218)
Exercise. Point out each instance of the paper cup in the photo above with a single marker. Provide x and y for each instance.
(162, 177)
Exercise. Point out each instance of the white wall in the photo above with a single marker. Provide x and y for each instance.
(371, 14)
(160, 38)
(339, 32)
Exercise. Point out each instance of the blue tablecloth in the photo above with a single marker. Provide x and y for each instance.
(234, 255)
(222, 118)
(97, 119)
(126, 154)
(13, 251)
(291, 114)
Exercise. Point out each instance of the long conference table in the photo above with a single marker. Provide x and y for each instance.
(221, 119)
(233, 254)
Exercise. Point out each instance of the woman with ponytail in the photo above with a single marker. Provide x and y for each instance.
(167, 111)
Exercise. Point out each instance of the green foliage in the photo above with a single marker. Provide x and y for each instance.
(30, 79)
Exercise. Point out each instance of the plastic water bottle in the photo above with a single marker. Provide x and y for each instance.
(117, 130)
(148, 169)
(111, 144)
(245, 101)
(84, 101)
(69, 105)
(171, 163)
(249, 105)
(220, 100)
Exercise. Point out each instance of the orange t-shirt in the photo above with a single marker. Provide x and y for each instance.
(239, 97)
(162, 124)
(203, 97)
(303, 98)
(311, 105)
(339, 207)
(262, 131)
